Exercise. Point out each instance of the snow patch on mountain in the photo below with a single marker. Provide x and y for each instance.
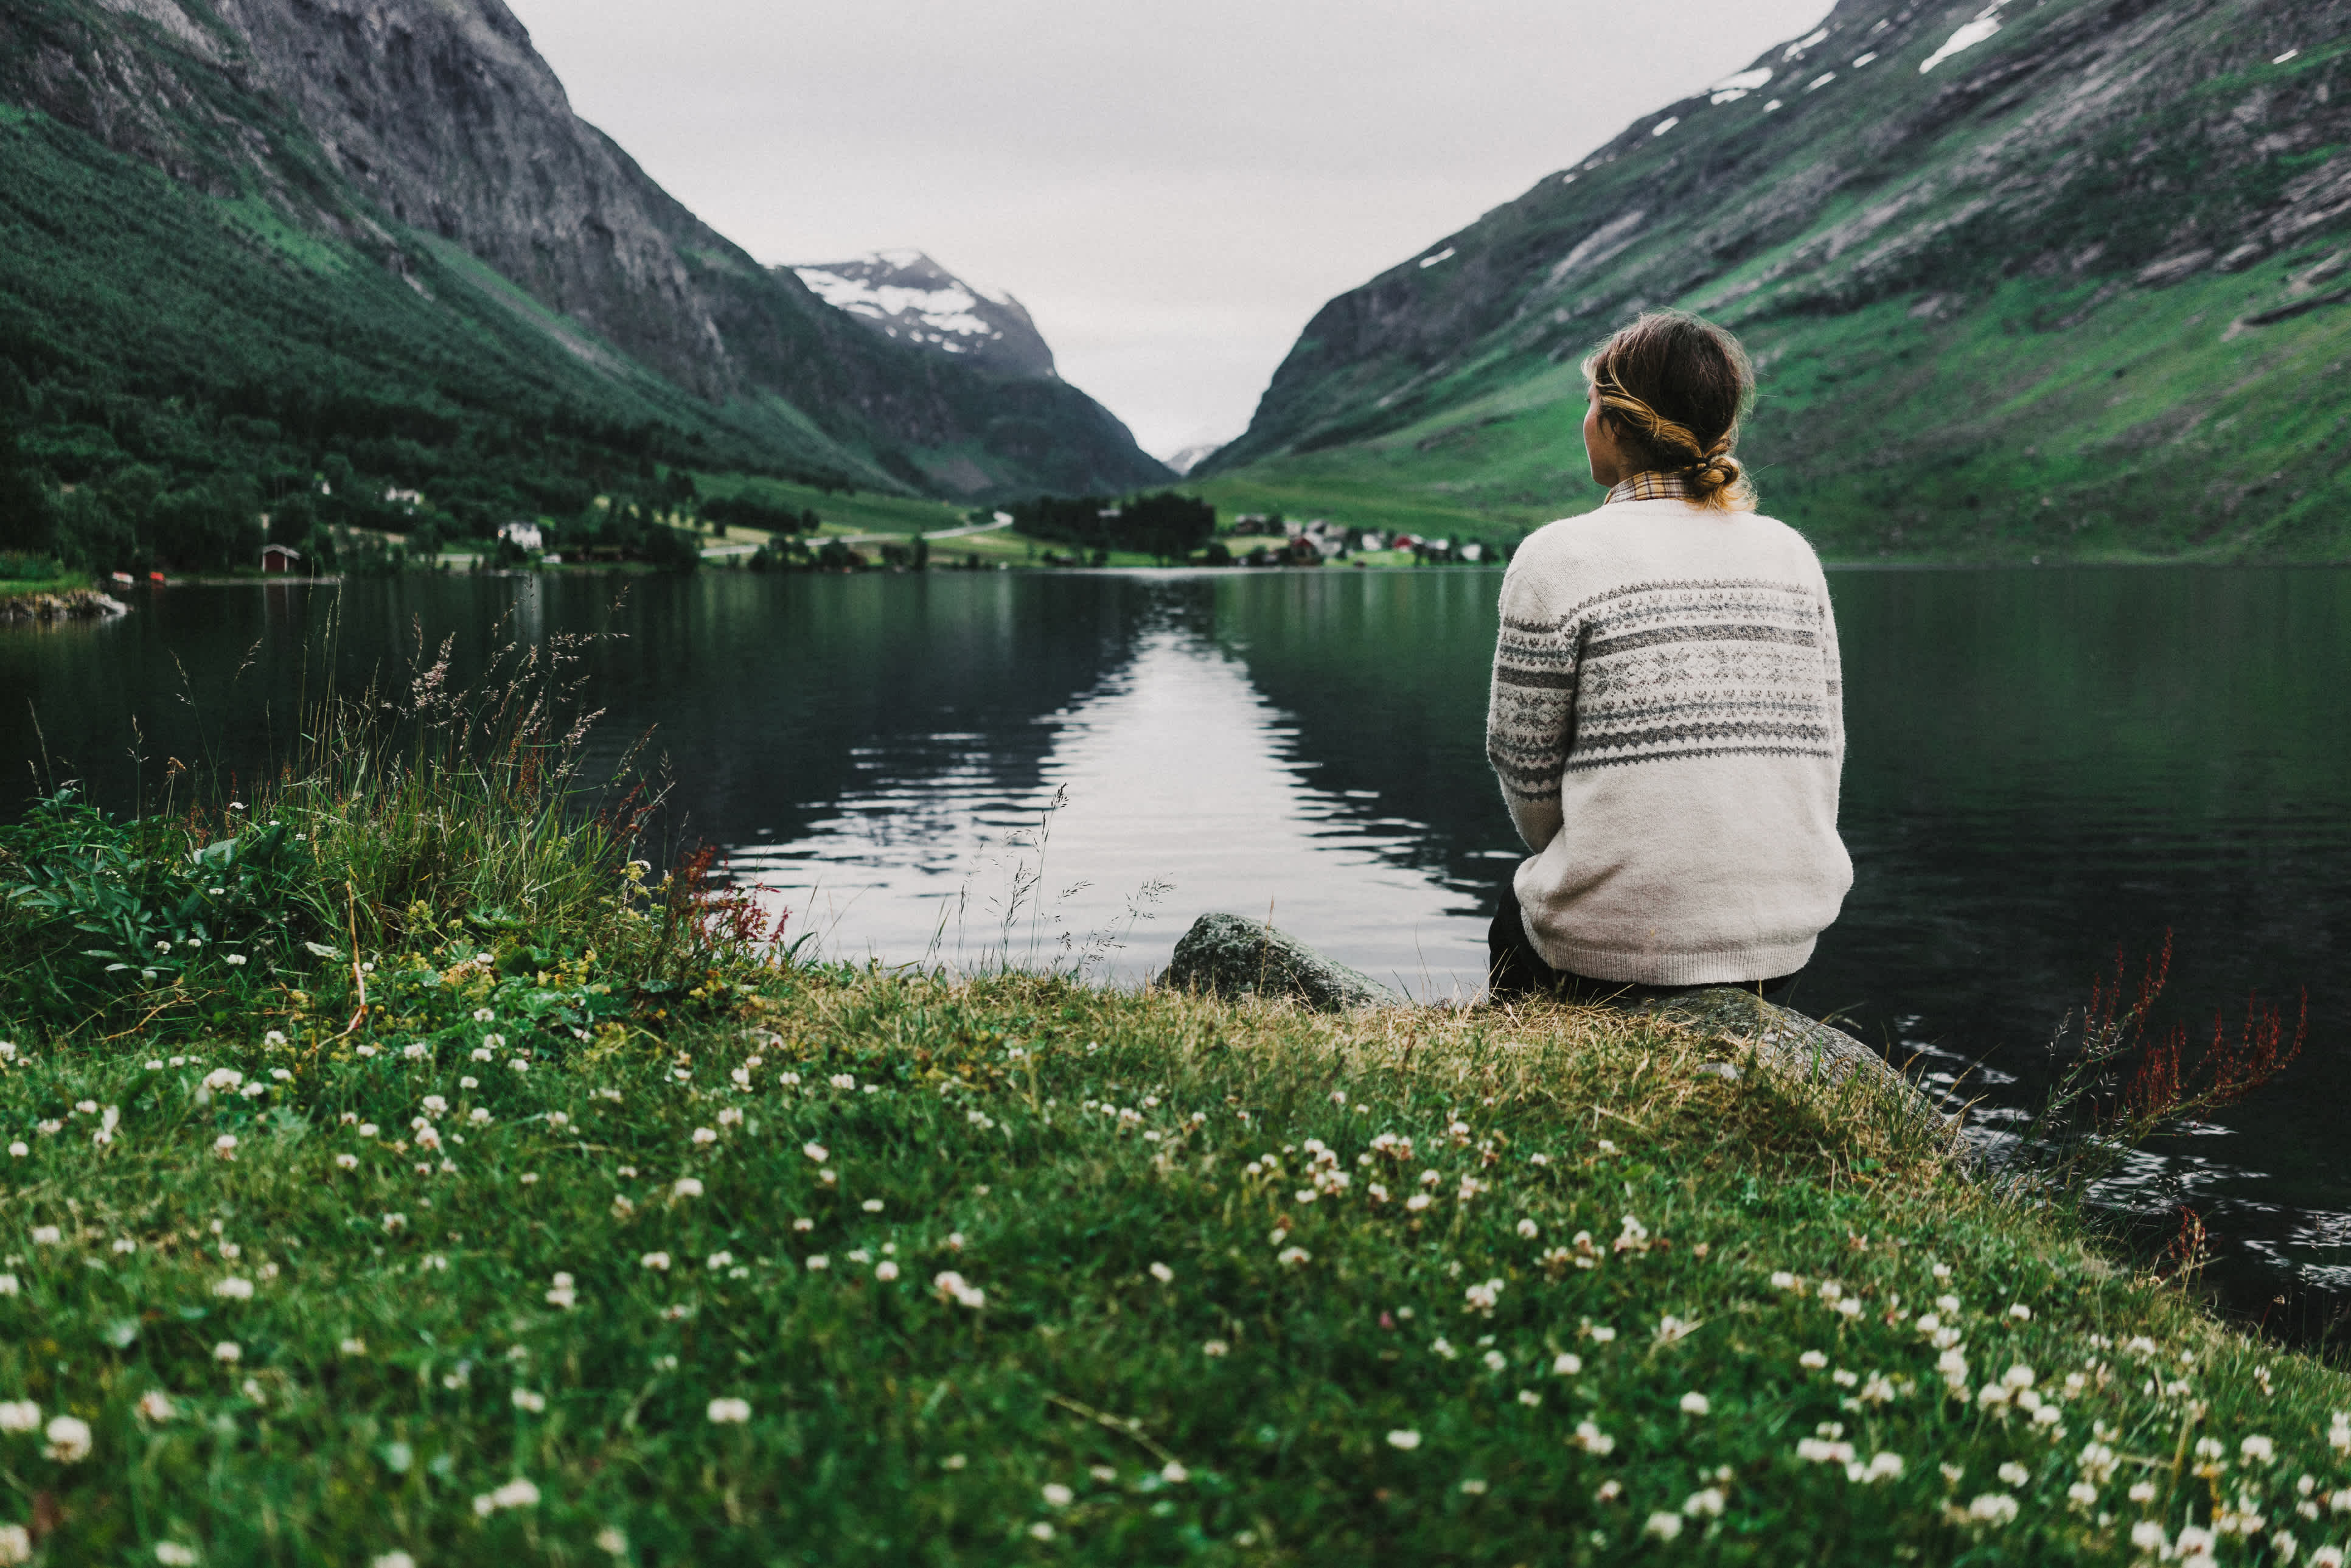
(905, 296)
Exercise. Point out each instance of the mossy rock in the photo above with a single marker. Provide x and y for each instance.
(1230, 956)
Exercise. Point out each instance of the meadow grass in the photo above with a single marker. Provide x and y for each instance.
(543, 1212)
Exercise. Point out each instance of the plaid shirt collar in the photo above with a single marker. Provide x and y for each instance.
(1650, 486)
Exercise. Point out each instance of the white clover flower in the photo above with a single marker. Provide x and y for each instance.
(2081, 1494)
(952, 1286)
(19, 1416)
(436, 1104)
(844, 1081)
(2015, 1474)
(223, 1078)
(1163, 1273)
(1215, 1349)
(816, 1152)
(19, 1149)
(1293, 1257)
(1495, 1359)
(234, 960)
(529, 1400)
(1529, 1229)
(1663, 1526)
(1530, 1398)
(483, 1015)
(235, 1288)
(347, 1161)
(1696, 1403)
(654, 1260)
(704, 1136)
(612, 1542)
(1566, 1364)
(885, 1270)
(2258, 1450)
(564, 1295)
(174, 1554)
(416, 1051)
(228, 1351)
(1707, 1504)
(1813, 1359)
(1404, 1439)
(1592, 1440)
(274, 1037)
(729, 1412)
(686, 1186)
(156, 1405)
(2020, 1312)
(47, 1236)
(392, 1560)
(479, 1117)
(1056, 1495)
(1819, 1451)
(392, 1222)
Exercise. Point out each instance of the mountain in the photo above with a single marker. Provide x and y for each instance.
(907, 297)
(1186, 459)
(2032, 277)
(378, 221)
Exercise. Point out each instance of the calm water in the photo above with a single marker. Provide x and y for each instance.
(2046, 766)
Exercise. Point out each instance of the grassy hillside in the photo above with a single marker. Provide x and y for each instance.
(590, 1233)
(2077, 291)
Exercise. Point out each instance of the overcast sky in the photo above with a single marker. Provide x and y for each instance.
(1172, 187)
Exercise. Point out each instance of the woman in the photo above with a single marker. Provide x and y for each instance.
(1667, 712)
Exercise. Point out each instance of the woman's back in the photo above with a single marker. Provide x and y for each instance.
(1666, 721)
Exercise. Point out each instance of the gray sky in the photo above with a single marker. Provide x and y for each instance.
(1172, 188)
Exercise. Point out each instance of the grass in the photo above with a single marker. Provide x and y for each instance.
(517, 1204)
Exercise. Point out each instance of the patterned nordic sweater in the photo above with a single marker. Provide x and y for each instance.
(1667, 723)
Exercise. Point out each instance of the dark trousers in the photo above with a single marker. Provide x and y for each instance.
(1516, 972)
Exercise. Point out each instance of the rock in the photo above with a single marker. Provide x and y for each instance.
(1228, 956)
(1789, 1043)
(75, 605)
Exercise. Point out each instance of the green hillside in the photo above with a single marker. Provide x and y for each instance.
(242, 256)
(2075, 291)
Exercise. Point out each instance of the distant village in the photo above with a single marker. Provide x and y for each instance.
(1320, 540)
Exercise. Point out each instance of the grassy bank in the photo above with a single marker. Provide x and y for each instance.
(505, 1202)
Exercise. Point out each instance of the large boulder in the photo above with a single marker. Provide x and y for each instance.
(1230, 956)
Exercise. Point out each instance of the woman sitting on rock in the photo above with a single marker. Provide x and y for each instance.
(1666, 712)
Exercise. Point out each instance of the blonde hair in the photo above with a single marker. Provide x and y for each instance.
(1673, 387)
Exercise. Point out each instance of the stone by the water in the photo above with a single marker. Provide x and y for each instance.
(1230, 956)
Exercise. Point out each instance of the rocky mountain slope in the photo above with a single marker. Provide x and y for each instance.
(425, 140)
(907, 297)
(2029, 278)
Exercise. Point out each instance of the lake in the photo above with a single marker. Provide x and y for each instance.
(2047, 767)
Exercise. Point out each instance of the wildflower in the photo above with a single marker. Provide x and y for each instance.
(844, 1081)
(2147, 1536)
(1495, 1359)
(1163, 1273)
(524, 1399)
(1059, 1496)
(69, 1438)
(478, 1116)
(2082, 1494)
(2142, 1491)
(1481, 1299)
(274, 1037)
(1293, 1257)
(885, 1270)
(369, 1129)
(47, 1236)
(1882, 1467)
(518, 1065)
(515, 1493)
(2015, 1474)
(223, 1078)
(1442, 1347)
(234, 960)
(1404, 1440)
(353, 1347)
(393, 1560)
(173, 1554)
(416, 1051)
(1813, 1359)
(731, 1117)
(817, 1263)
(2020, 1312)
(347, 1162)
(1706, 1504)
(1821, 1450)
(235, 1288)
(19, 1416)
(2258, 1450)
(1992, 1508)
(612, 1542)
(1592, 1440)
(483, 1015)
(18, 1149)
(816, 1152)
(155, 1405)
(1529, 1229)
(872, 1205)
(1695, 1403)
(1215, 1350)
(1040, 1531)
(654, 1260)
(564, 1295)
(686, 1186)
(704, 1136)
(1417, 1202)
(952, 1286)
(729, 1412)
(1566, 1364)
(1530, 1398)
(1663, 1526)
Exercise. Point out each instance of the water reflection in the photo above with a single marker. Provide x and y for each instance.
(1170, 788)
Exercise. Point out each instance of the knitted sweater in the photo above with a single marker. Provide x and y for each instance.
(1667, 723)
